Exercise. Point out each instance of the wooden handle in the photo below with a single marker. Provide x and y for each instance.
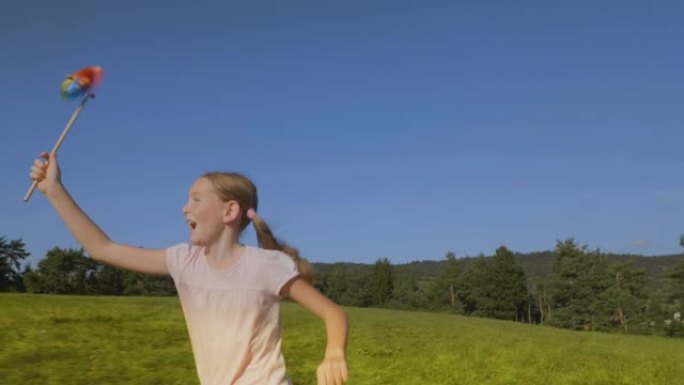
(30, 191)
(65, 131)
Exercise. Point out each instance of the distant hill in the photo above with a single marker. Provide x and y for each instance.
(539, 264)
(536, 265)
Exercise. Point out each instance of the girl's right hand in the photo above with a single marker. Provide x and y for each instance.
(46, 172)
(333, 370)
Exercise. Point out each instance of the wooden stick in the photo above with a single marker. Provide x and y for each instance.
(61, 139)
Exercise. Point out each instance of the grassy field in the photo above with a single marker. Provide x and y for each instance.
(70, 340)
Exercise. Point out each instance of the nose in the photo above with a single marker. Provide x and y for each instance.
(185, 210)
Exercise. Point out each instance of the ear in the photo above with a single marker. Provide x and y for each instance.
(231, 212)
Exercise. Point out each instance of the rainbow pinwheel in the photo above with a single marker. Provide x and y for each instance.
(80, 84)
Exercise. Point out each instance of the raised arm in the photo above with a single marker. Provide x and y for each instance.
(333, 369)
(86, 232)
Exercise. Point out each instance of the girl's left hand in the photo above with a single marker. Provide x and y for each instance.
(333, 370)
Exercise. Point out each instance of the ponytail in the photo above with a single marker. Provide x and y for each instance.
(233, 186)
(268, 241)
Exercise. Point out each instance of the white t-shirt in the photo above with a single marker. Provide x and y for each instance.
(233, 314)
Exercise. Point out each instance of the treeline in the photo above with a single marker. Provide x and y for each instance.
(583, 291)
(71, 271)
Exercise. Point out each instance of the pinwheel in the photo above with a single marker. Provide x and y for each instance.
(80, 84)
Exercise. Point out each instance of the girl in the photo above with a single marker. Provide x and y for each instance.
(229, 292)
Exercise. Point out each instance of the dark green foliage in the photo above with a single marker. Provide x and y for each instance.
(537, 266)
(407, 294)
(110, 280)
(346, 284)
(676, 286)
(381, 282)
(674, 310)
(475, 286)
(579, 277)
(12, 254)
(580, 289)
(624, 302)
(509, 299)
(63, 271)
(654, 320)
(451, 279)
(70, 271)
(145, 284)
(496, 287)
(445, 291)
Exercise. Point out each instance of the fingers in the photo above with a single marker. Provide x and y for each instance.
(332, 373)
(39, 170)
(344, 372)
(40, 166)
(329, 377)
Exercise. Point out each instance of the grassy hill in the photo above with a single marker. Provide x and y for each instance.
(142, 340)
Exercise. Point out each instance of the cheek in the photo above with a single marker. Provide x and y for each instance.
(201, 215)
(209, 213)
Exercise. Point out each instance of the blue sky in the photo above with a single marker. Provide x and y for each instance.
(372, 129)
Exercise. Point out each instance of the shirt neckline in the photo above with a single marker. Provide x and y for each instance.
(227, 268)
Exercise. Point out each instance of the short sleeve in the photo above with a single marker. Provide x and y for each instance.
(174, 256)
(282, 270)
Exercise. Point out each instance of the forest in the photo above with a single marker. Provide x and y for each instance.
(570, 287)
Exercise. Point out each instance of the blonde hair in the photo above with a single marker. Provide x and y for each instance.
(231, 186)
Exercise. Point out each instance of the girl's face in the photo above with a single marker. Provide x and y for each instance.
(204, 213)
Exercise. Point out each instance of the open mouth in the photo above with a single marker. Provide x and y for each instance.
(192, 224)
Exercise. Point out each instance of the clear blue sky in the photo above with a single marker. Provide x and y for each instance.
(372, 128)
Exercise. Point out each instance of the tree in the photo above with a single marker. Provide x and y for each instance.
(33, 283)
(543, 300)
(144, 284)
(406, 293)
(451, 277)
(444, 292)
(110, 280)
(12, 254)
(496, 287)
(347, 285)
(64, 271)
(70, 271)
(358, 290)
(676, 288)
(677, 282)
(475, 286)
(672, 306)
(509, 292)
(624, 300)
(578, 278)
(534, 311)
(381, 282)
(334, 283)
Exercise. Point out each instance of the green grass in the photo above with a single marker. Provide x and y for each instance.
(69, 340)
